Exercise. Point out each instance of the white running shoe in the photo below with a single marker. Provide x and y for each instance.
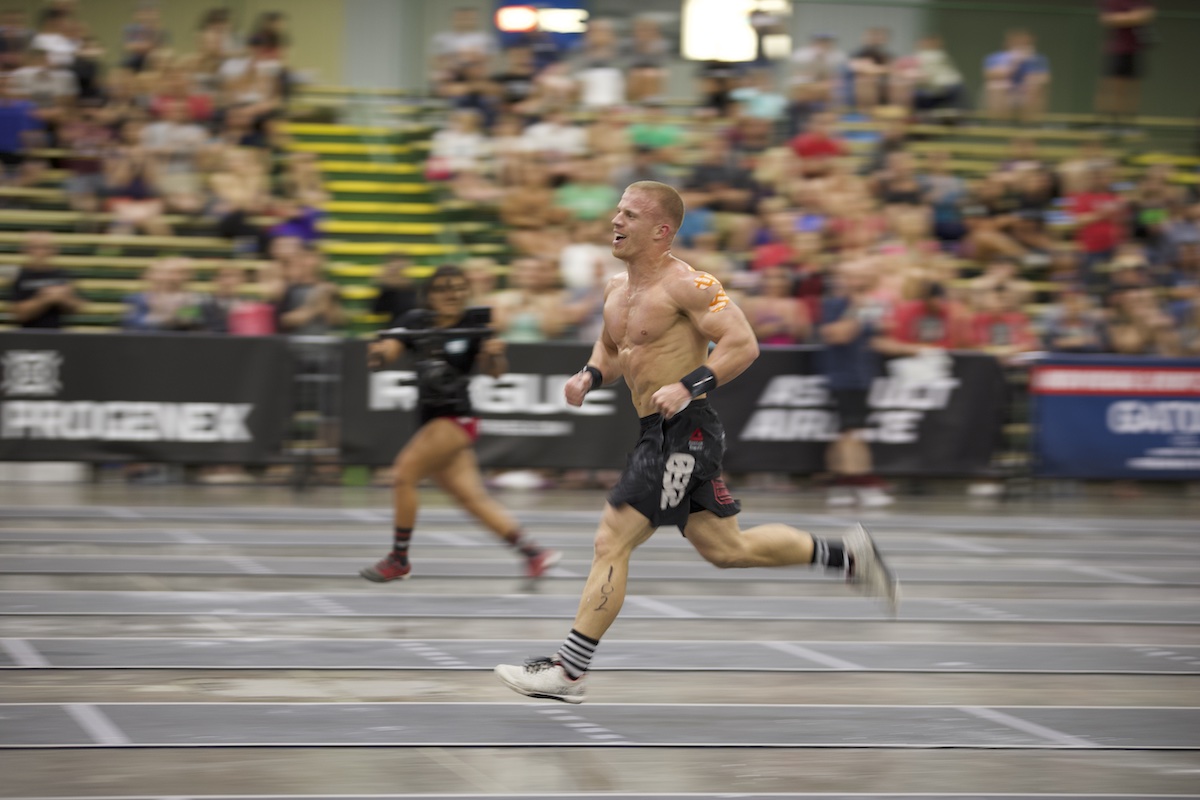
(544, 678)
(874, 497)
(840, 496)
(868, 571)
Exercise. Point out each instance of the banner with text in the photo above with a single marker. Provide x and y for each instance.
(945, 422)
(186, 399)
(1114, 417)
(524, 421)
(776, 415)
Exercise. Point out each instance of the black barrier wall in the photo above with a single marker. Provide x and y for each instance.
(188, 398)
(200, 399)
(776, 415)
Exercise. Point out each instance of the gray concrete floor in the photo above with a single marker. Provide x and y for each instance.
(1047, 650)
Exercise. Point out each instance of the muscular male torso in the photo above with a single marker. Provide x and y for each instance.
(654, 337)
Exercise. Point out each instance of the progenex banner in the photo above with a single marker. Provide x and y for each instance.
(1116, 417)
(776, 415)
(184, 398)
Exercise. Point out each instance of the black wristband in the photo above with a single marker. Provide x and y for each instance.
(597, 377)
(699, 380)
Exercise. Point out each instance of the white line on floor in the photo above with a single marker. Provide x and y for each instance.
(1113, 575)
(666, 609)
(1024, 725)
(23, 653)
(813, 655)
(96, 723)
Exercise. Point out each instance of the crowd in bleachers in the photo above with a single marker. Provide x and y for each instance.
(157, 137)
(790, 169)
(1050, 247)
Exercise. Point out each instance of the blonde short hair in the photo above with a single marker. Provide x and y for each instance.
(668, 201)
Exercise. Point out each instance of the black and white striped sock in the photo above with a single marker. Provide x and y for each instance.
(830, 555)
(576, 653)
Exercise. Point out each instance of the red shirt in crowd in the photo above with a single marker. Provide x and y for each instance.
(817, 145)
(1002, 329)
(1103, 234)
(941, 325)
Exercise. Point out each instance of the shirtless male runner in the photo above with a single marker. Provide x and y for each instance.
(659, 317)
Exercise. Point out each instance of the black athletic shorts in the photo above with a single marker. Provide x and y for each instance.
(675, 468)
(851, 408)
(1123, 65)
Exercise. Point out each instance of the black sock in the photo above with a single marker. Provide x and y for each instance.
(830, 555)
(522, 543)
(400, 543)
(576, 653)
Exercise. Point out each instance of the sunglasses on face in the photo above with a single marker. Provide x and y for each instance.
(439, 288)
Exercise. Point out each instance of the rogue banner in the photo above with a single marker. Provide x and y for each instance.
(1114, 417)
(186, 399)
(524, 420)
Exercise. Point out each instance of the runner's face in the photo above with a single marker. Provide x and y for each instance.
(448, 296)
(633, 226)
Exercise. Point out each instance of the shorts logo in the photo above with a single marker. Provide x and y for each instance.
(696, 441)
(721, 492)
(676, 476)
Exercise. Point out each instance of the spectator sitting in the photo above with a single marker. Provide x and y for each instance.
(242, 191)
(534, 309)
(175, 144)
(15, 36)
(587, 195)
(20, 127)
(599, 68)
(930, 321)
(53, 37)
(999, 327)
(52, 88)
(1099, 223)
(131, 187)
(817, 71)
(310, 305)
(481, 281)
(88, 140)
(937, 83)
(1016, 79)
(1073, 326)
(460, 148)
(871, 71)
(164, 304)
(1138, 325)
(944, 192)
(42, 295)
(817, 146)
(555, 138)
(654, 130)
(775, 314)
(465, 41)
(227, 310)
(648, 60)
(396, 293)
(517, 82)
(645, 167)
(143, 35)
(297, 219)
(759, 98)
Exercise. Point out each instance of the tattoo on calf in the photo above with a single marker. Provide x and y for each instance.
(606, 590)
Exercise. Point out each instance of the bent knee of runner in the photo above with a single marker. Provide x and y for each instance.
(611, 541)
